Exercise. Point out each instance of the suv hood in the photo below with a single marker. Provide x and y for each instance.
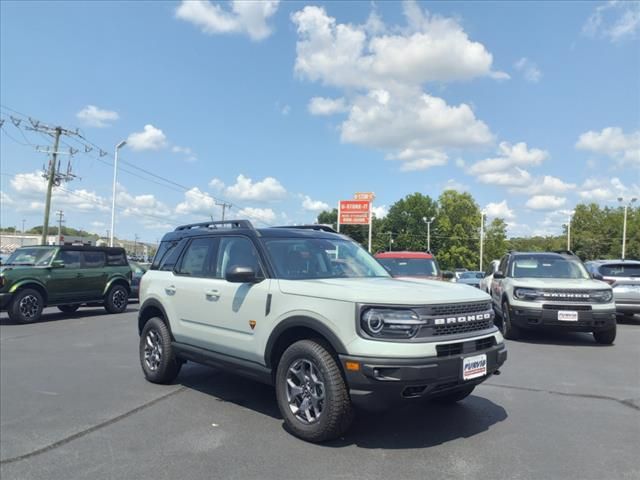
(560, 283)
(392, 291)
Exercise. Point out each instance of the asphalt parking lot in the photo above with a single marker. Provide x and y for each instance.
(74, 405)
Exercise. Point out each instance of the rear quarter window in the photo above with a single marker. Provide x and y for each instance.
(116, 259)
(94, 259)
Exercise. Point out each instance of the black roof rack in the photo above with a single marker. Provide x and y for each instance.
(564, 252)
(218, 224)
(323, 228)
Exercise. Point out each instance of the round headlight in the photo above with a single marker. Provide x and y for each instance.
(374, 321)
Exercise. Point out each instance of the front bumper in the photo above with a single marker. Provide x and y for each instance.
(381, 382)
(547, 316)
(627, 307)
(5, 300)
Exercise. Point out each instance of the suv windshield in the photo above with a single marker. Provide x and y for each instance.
(309, 258)
(620, 270)
(542, 266)
(410, 267)
(39, 257)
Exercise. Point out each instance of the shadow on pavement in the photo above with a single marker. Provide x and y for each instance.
(416, 425)
(559, 337)
(52, 314)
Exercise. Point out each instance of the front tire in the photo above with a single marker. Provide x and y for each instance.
(605, 337)
(456, 396)
(68, 308)
(26, 306)
(312, 394)
(157, 359)
(509, 330)
(116, 299)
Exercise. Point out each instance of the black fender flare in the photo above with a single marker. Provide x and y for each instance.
(306, 322)
(142, 318)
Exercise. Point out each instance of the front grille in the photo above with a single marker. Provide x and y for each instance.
(454, 329)
(582, 308)
(449, 349)
(459, 308)
(485, 343)
(567, 296)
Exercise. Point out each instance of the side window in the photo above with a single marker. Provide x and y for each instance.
(94, 259)
(161, 254)
(237, 252)
(503, 264)
(116, 259)
(71, 258)
(198, 258)
(170, 257)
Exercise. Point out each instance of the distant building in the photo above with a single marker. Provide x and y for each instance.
(9, 241)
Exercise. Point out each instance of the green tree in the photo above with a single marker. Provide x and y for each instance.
(495, 241)
(406, 221)
(457, 231)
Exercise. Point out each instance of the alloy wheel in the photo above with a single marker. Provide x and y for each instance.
(153, 350)
(29, 306)
(305, 390)
(119, 298)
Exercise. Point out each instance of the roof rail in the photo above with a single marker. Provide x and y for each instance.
(315, 226)
(564, 252)
(216, 225)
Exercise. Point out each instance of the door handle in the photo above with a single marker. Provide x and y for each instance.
(170, 290)
(212, 294)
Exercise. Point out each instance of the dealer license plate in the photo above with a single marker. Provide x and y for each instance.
(568, 316)
(474, 367)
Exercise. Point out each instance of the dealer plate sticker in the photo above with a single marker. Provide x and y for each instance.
(474, 367)
(568, 316)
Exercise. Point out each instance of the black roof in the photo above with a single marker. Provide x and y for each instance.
(245, 227)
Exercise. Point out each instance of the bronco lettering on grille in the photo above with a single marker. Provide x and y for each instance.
(461, 319)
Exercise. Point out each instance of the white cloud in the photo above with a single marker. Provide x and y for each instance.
(607, 190)
(452, 184)
(5, 199)
(545, 185)
(501, 210)
(517, 177)
(518, 155)
(326, 106)
(614, 20)
(264, 215)
(430, 48)
(545, 202)
(244, 16)
(216, 184)
(421, 159)
(93, 116)
(380, 211)
(189, 156)
(614, 143)
(30, 189)
(268, 189)
(97, 224)
(196, 202)
(529, 70)
(314, 205)
(285, 110)
(151, 138)
(146, 208)
(382, 71)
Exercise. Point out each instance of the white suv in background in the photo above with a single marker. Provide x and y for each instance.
(312, 313)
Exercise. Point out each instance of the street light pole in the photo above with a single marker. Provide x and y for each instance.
(113, 199)
(569, 233)
(481, 238)
(428, 222)
(624, 224)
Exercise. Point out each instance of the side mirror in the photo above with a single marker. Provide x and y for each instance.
(242, 274)
(447, 275)
(57, 264)
(498, 275)
(597, 276)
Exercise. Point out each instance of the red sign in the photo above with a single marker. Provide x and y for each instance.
(368, 196)
(354, 212)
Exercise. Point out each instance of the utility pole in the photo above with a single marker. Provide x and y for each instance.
(22, 237)
(135, 244)
(60, 215)
(224, 206)
(481, 238)
(51, 178)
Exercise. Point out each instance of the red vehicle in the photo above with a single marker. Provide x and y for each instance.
(410, 264)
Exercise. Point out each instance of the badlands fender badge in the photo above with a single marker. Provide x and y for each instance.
(252, 324)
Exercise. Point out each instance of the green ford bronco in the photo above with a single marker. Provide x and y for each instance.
(63, 276)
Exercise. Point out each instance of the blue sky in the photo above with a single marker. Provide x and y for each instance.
(283, 109)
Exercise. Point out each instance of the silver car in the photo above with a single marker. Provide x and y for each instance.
(624, 278)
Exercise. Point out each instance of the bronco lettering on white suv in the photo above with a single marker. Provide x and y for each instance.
(312, 313)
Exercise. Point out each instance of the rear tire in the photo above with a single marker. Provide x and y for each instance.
(312, 394)
(68, 308)
(509, 330)
(26, 306)
(157, 359)
(605, 337)
(456, 396)
(116, 299)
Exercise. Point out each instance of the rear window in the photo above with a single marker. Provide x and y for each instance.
(94, 259)
(620, 270)
(410, 267)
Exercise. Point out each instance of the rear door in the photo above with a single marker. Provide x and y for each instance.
(67, 283)
(94, 273)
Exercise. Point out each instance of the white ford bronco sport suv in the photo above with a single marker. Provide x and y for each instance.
(312, 313)
(552, 290)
